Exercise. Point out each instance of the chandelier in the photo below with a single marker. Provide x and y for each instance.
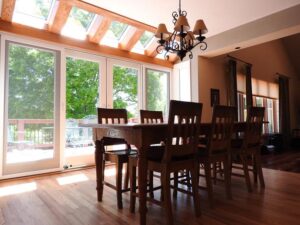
(182, 40)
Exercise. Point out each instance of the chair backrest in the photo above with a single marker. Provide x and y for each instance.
(150, 117)
(112, 116)
(253, 131)
(183, 130)
(219, 139)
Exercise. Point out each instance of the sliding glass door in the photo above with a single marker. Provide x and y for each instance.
(124, 87)
(85, 91)
(31, 136)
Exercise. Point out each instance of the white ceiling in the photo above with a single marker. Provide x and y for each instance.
(219, 15)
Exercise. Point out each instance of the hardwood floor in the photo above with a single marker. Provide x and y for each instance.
(45, 202)
(287, 161)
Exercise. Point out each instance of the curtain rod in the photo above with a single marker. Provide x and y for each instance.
(236, 59)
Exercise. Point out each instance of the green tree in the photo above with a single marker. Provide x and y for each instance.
(82, 88)
(31, 83)
(156, 90)
(125, 88)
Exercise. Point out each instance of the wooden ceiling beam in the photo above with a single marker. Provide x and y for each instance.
(98, 29)
(151, 49)
(131, 39)
(59, 16)
(81, 44)
(8, 7)
(106, 13)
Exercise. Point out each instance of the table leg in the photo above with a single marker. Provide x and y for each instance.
(99, 169)
(142, 179)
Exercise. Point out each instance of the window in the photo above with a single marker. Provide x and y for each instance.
(157, 90)
(114, 34)
(33, 13)
(82, 100)
(144, 41)
(125, 89)
(78, 23)
(271, 113)
(242, 107)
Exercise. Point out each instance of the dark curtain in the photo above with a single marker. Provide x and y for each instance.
(233, 85)
(249, 99)
(284, 109)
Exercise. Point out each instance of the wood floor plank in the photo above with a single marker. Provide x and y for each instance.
(76, 203)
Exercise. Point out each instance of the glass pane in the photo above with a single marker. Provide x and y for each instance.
(125, 90)
(32, 12)
(78, 23)
(156, 90)
(81, 101)
(31, 75)
(118, 29)
(146, 38)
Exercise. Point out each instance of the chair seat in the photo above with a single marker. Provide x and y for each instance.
(156, 153)
(236, 143)
(203, 152)
(121, 152)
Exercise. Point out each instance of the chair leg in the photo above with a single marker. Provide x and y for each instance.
(254, 169)
(132, 172)
(167, 195)
(227, 178)
(99, 169)
(119, 167)
(151, 193)
(246, 172)
(126, 181)
(196, 197)
(208, 183)
(175, 184)
(215, 172)
(259, 170)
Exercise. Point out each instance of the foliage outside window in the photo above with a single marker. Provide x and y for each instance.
(31, 77)
(81, 88)
(125, 90)
(32, 12)
(156, 90)
(118, 29)
(146, 38)
(78, 23)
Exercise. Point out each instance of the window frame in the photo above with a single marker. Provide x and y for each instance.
(159, 69)
(51, 164)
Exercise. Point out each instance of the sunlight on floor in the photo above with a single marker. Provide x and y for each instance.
(111, 171)
(17, 189)
(72, 179)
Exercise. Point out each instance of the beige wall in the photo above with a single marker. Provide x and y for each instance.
(267, 60)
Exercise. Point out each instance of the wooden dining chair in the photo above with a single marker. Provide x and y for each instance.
(179, 153)
(248, 147)
(217, 148)
(119, 156)
(149, 116)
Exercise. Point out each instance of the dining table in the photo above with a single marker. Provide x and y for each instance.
(141, 136)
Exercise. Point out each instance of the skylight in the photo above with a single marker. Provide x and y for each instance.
(146, 38)
(32, 12)
(78, 23)
(118, 29)
(143, 43)
(114, 34)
